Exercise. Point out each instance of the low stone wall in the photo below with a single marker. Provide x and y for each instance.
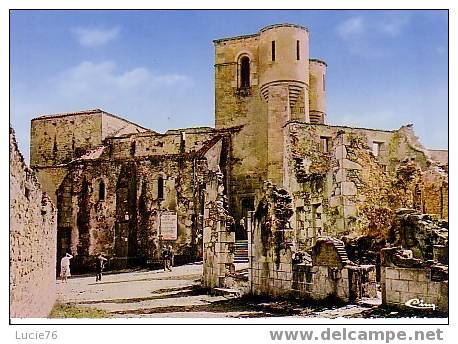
(310, 282)
(400, 285)
(33, 235)
(424, 282)
(329, 276)
(218, 256)
(268, 278)
(348, 284)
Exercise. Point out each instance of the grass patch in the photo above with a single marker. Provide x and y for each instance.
(73, 311)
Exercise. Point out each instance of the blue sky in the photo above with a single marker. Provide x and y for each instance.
(385, 68)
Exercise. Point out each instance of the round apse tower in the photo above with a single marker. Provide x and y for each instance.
(317, 93)
(284, 62)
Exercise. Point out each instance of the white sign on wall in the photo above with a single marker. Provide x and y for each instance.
(169, 225)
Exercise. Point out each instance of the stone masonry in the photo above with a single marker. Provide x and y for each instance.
(404, 279)
(271, 171)
(33, 226)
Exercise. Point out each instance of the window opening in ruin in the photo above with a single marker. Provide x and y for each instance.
(133, 148)
(54, 148)
(324, 144)
(316, 222)
(300, 226)
(160, 188)
(245, 72)
(27, 193)
(324, 83)
(273, 50)
(376, 148)
(298, 52)
(101, 191)
(247, 205)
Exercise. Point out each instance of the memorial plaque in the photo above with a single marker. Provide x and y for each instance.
(169, 225)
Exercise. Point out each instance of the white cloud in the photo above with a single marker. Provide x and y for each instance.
(94, 37)
(103, 80)
(393, 26)
(361, 35)
(140, 94)
(351, 27)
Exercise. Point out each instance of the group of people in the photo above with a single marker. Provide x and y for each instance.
(167, 256)
(65, 267)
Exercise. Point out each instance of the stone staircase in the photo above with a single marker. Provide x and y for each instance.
(241, 251)
(342, 252)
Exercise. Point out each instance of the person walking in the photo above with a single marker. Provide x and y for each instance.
(166, 256)
(172, 257)
(99, 265)
(65, 267)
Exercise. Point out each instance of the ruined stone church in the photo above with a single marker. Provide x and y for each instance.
(272, 158)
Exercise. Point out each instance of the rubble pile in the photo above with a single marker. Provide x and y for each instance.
(420, 233)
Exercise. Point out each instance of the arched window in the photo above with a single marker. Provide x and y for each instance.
(245, 72)
(101, 190)
(160, 188)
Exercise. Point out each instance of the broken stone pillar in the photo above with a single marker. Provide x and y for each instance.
(344, 189)
(218, 241)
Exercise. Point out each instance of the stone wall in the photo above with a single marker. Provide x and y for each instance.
(428, 283)
(115, 205)
(328, 277)
(400, 285)
(33, 228)
(275, 270)
(153, 144)
(218, 238)
(60, 138)
(350, 181)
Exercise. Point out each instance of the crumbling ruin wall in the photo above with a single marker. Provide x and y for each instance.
(434, 191)
(218, 237)
(275, 269)
(349, 181)
(150, 143)
(423, 234)
(123, 220)
(408, 282)
(431, 192)
(329, 274)
(33, 223)
(58, 139)
(115, 205)
(307, 177)
(270, 270)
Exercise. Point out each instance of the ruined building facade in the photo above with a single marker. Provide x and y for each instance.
(116, 183)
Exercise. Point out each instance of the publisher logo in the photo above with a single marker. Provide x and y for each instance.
(420, 304)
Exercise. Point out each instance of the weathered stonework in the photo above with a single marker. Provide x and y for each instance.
(218, 238)
(346, 188)
(124, 222)
(403, 279)
(33, 225)
(271, 171)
